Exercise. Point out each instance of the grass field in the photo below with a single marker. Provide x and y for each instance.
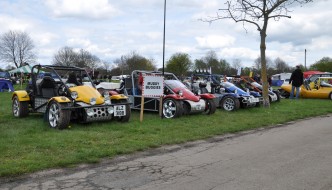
(28, 145)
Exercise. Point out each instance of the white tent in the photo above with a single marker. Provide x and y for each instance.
(23, 69)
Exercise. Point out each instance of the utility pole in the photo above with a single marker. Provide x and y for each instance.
(164, 37)
(305, 59)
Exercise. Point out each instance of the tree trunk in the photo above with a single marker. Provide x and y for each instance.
(266, 102)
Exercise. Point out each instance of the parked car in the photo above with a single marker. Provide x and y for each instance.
(203, 83)
(322, 88)
(247, 99)
(309, 82)
(177, 98)
(64, 94)
(247, 82)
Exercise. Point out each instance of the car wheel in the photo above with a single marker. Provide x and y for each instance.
(278, 95)
(128, 113)
(172, 108)
(230, 103)
(57, 117)
(20, 109)
(210, 107)
(330, 96)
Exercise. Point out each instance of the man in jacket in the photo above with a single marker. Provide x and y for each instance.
(296, 80)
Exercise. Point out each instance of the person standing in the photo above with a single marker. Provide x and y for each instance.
(297, 80)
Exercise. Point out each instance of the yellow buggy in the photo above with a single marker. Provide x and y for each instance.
(67, 94)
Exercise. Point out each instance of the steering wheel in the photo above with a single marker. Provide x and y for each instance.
(62, 90)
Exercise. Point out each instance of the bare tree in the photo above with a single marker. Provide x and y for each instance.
(258, 13)
(236, 63)
(280, 65)
(258, 63)
(66, 56)
(17, 47)
(86, 59)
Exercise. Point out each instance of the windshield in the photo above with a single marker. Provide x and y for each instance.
(257, 85)
(227, 84)
(174, 84)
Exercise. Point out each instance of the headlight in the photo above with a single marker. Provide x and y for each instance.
(107, 100)
(74, 95)
(106, 94)
(93, 101)
(110, 110)
(89, 112)
(235, 91)
(180, 93)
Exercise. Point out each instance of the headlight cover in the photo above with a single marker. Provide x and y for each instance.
(106, 94)
(74, 95)
(93, 101)
(89, 112)
(107, 100)
(110, 110)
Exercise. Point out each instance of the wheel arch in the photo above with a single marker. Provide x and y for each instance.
(22, 95)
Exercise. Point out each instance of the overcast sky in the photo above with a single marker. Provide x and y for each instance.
(112, 28)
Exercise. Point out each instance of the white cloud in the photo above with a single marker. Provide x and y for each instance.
(110, 28)
(87, 9)
(214, 41)
(13, 23)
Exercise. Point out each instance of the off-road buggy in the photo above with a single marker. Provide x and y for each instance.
(204, 83)
(177, 98)
(64, 94)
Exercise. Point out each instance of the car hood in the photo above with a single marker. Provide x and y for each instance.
(85, 93)
(187, 94)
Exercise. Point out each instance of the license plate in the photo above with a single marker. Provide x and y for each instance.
(120, 110)
(198, 107)
(252, 100)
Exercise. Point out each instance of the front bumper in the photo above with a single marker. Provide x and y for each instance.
(101, 112)
(196, 107)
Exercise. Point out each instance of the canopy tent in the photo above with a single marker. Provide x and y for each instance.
(24, 69)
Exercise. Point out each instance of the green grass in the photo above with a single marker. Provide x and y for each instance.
(28, 145)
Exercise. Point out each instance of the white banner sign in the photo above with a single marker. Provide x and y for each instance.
(153, 85)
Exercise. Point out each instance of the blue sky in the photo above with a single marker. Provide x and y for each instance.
(112, 28)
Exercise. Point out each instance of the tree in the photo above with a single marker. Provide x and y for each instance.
(66, 56)
(17, 47)
(86, 59)
(258, 63)
(224, 67)
(236, 63)
(281, 66)
(134, 61)
(325, 64)
(258, 13)
(179, 64)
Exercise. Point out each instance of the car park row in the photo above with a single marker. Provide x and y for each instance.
(64, 94)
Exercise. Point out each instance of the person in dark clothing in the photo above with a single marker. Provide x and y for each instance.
(73, 79)
(296, 80)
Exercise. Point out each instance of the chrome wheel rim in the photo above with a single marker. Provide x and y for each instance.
(53, 115)
(229, 104)
(16, 107)
(169, 109)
